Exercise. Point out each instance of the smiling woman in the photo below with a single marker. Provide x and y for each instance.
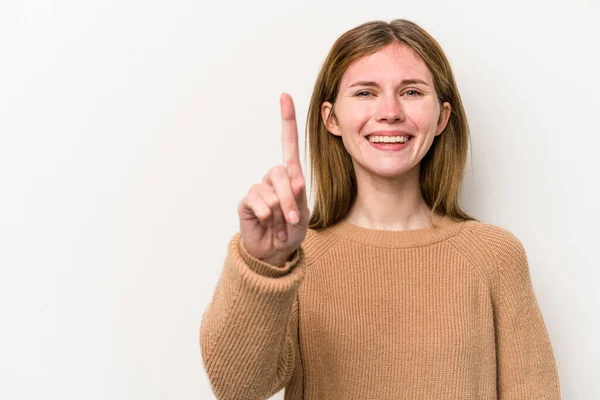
(387, 81)
(400, 104)
(386, 288)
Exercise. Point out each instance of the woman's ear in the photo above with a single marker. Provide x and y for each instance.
(444, 117)
(329, 119)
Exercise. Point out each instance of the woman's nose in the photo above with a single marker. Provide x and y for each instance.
(390, 109)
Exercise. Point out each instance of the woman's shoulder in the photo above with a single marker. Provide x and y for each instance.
(494, 235)
(317, 242)
(496, 241)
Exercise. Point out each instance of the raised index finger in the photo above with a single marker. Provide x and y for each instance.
(291, 153)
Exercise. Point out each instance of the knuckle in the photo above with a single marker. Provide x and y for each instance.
(299, 183)
(278, 171)
(251, 196)
(254, 188)
(272, 201)
(263, 215)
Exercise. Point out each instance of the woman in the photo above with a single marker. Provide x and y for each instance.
(387, 290)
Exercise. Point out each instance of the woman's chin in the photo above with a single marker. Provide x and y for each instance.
(389, 173)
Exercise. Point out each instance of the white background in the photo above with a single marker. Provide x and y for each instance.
(131, 129)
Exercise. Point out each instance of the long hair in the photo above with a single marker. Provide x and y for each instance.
(333, 179)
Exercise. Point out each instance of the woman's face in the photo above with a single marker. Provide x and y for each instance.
(388, 93)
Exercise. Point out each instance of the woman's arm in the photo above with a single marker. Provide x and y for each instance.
(248, 334)
(526, 365)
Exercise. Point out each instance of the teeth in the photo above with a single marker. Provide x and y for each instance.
(388, 139)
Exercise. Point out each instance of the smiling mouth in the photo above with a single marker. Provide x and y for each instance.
(385, 139)
(389, 144)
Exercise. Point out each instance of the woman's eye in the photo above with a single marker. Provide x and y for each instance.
(363, 93)
(416, 93)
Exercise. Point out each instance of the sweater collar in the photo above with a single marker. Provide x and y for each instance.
(444, 228)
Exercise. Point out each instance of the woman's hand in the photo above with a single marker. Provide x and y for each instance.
(274, 214)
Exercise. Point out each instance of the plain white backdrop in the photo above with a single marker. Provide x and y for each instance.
(130, 130)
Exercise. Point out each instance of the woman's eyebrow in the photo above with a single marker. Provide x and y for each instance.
(375, 84)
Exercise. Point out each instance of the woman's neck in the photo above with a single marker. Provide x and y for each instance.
(390, 205)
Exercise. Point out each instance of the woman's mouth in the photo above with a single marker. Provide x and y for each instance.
(389, 143)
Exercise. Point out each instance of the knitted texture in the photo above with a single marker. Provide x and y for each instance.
(445, 312)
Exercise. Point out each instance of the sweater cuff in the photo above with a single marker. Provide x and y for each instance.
(264, 268)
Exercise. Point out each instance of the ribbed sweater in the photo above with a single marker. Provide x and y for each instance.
(446, 312)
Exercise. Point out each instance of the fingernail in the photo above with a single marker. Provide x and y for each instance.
(281, 235)
(294, 217)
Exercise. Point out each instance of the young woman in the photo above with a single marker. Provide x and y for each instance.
(387, 289)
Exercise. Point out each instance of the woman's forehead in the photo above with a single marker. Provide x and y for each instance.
(395, 62)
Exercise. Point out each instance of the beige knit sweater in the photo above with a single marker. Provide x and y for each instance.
(445, 312)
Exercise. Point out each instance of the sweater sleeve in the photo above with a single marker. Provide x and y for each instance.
(248, 333)
(526, 365)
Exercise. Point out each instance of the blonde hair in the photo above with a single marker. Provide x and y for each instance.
(332, 172)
